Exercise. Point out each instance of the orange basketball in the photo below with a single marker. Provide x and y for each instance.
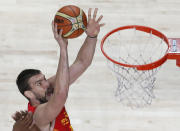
(72, 20)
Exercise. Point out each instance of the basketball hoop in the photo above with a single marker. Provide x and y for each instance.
(135, 54)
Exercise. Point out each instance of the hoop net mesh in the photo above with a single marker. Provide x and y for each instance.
(134, 47)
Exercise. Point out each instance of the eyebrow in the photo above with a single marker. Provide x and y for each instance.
(40, 79)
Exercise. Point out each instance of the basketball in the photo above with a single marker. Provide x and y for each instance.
(72, 20)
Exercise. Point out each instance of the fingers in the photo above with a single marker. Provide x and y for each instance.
(93, 27)
(16, 116)
(89, 13)
(100, 18)
(56, 30)
(60, 32)
(58, 35)
(101, 25)
(23, 113)
(28, 119)
(19, 115)
(95, 13)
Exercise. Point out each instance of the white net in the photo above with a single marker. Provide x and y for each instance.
(135, 88)
(133, 47)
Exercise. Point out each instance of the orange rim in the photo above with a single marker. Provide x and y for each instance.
(144, 29)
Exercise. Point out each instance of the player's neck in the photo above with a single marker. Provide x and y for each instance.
(34, 103)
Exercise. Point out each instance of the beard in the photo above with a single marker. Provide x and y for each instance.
(43, 100)
(46, 97)
(48, 94)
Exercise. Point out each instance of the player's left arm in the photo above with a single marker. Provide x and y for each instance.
(86, 52)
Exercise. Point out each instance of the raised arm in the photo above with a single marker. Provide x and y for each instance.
(45, 113)
(86, 52)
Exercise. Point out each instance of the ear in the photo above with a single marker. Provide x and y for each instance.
(30, 95)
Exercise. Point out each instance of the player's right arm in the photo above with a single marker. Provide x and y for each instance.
(86, 52)
(46, 113)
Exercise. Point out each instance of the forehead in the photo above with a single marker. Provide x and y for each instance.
(35, 78)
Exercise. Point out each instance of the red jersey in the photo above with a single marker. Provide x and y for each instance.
(62, 122)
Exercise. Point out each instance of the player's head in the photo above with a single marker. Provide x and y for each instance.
(32, 83)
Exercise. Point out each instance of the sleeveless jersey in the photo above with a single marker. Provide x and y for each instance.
(62, 122)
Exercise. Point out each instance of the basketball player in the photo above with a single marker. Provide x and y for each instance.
(23, 122)
(48, 96)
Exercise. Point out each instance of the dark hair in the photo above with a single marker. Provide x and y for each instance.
(23, 77)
